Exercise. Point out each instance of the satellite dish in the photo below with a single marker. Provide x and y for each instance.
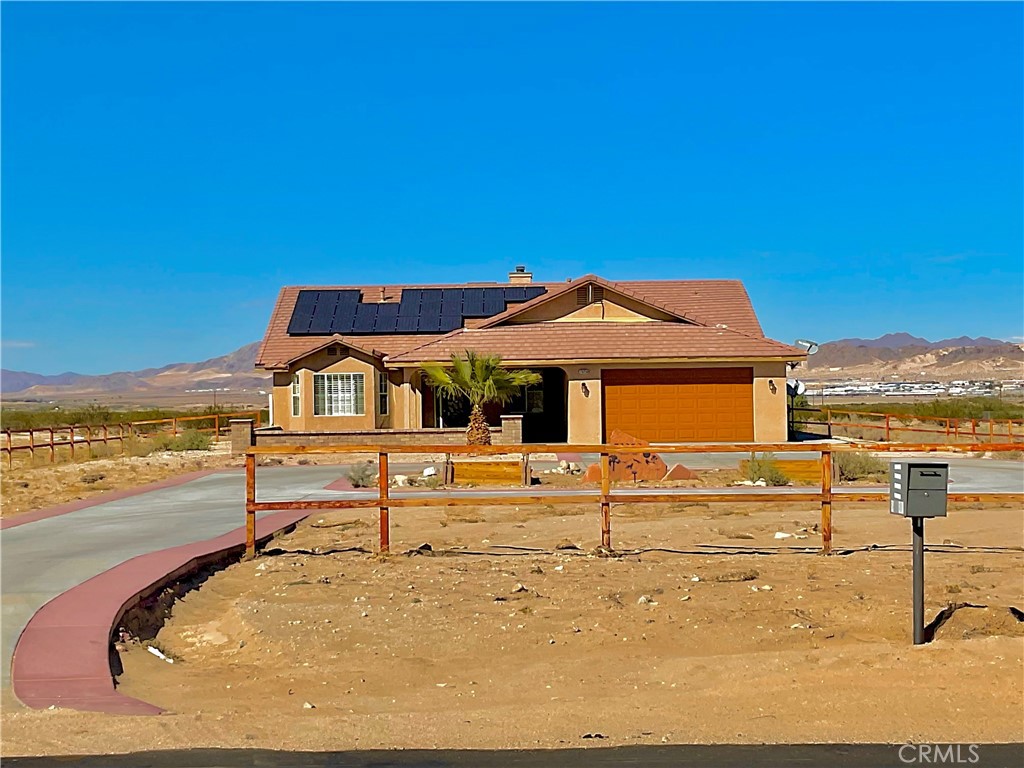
(810, 347)
(795, 387)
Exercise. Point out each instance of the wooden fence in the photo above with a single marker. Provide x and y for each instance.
(826, 495)
(85, 435)
(888, 426)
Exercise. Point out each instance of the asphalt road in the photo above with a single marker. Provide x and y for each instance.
(699, 756)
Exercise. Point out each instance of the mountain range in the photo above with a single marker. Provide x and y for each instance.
(894, 354)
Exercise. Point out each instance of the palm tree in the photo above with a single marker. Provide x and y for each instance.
(480, 379)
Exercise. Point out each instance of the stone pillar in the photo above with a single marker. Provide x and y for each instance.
(511, 429)
(242, 435)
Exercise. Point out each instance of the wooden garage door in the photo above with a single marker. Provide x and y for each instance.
(680, 405)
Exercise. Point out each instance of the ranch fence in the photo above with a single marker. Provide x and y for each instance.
(606, 496)
(889, 426)
(85, 435)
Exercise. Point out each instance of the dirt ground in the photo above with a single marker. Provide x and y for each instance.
(496, 638)
(28, 487)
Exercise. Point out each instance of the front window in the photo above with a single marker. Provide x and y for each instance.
(338, 394)
(296, 403)
(382, 393)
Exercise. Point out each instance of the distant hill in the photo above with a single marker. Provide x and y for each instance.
(234, 372)
(900, 340)
(901, 355)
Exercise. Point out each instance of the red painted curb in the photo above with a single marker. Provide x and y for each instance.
(103, 498)
(62, 657)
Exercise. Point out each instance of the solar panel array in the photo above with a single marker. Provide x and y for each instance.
(421, 310)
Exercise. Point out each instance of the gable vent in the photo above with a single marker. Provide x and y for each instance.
(588, 294)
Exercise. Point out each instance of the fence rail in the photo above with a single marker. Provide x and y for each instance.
(84, 435)
(890, 425)
(605, 497)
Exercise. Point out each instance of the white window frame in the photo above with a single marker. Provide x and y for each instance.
(382, 393)
(339, 394)
(296, 395)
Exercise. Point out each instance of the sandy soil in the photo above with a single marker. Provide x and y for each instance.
(496, 638)
(28, 487)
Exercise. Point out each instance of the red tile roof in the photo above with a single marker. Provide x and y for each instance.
(555, 341)
(707, 302)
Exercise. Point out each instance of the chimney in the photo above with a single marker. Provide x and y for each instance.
(520, 276)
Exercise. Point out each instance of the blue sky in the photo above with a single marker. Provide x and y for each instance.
(167, 167)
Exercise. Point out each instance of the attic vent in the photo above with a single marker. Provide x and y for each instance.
(588, 294)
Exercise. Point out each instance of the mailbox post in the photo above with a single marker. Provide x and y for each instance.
(917, 489)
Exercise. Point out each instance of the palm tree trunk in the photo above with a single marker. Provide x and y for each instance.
(478, 433)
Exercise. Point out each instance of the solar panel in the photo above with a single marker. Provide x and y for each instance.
(303, 312)
(366, 316)
(450, 322)
(407, 324)
(387, 318)
(532, 292)
(421, 310)
(323, 314)
(473, 302)
(430, 323)
(494, 301)
(515, 294)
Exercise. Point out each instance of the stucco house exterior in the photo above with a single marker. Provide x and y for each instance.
(662, 360)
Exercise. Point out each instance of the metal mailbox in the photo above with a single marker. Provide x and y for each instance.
(918, 488)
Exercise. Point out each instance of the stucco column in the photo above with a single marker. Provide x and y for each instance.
(770, 403)
(583, 409)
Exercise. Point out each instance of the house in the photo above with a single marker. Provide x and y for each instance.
(662, 360)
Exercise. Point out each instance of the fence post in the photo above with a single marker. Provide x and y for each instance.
(887, 427)
(974, 430)
(382, 485)
(53, 448)
(71, 439)
(120, 432)
(826, 501)
(10, 450)
(947, 428)
(606, 516)
(828, 420)
(250, 509)
(174, 427)
(32, 444)
(216, 426)
(991, 436)
(88, 439)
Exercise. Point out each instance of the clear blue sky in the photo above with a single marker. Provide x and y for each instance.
(167, 167)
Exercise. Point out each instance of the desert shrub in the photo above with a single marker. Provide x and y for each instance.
(362, 475)
(764, 467)
(859, 465)
(191, 440)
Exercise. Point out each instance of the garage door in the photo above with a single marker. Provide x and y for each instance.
(680, 405)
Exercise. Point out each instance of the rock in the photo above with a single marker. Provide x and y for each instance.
(92, 477)
(645, 600)
(563, 465)
(761, 483)
(679, 472)
(783, 535)
(566, 544)
(736, 576)
(430, 472)
(302, 462)
(594, 736)
(307, 705)
(744, 482)
(574, 468)
(401, 480)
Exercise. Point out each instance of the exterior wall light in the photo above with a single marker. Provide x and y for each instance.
(585, 388)
(772, 387)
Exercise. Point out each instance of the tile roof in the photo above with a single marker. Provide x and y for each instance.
(553, 341)
(709, 302)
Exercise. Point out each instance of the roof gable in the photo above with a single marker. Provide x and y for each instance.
(531, 309)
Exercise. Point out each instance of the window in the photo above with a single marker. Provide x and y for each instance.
(296, 402)
(382, 393)
(338, 394)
